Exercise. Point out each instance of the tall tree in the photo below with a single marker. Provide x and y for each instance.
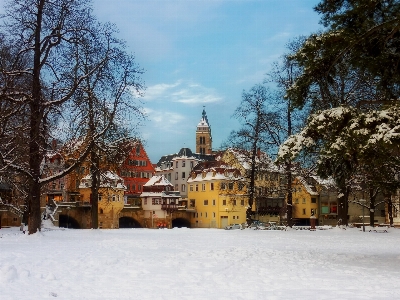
(260, 131)
(283, 74)
(360, 44)
(347, 140)
(52, 38)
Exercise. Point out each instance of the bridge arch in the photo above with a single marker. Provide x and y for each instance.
(128, 222)
(180, 222)
(68, 222)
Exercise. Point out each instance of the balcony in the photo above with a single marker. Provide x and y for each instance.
(170, 207)
(269, 210)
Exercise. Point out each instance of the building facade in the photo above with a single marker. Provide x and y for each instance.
(110, 200)
(136, 170)
(162, 206)
(177, 167)
(217, 195)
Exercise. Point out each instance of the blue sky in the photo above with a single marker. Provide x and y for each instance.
(202, 52)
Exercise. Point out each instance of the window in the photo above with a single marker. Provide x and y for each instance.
(176, 175)
(169, 176)
(234, 217)
(205, 202)
(203, 186)
(139, 187)
(213, 202)
(99, 197)
(240, 186)
(224, 202)
(296, 201)
(233, 202)
(213, 214)
(211, 186)
(183, 163)
(176, 187)
(156, 201)
(324, 208)
(313, 200)
(242, 202)
(191, 188)
(192, 203)
(145, 201)
(206, 215)
(304, 200)
(176, 165)
(230, 185)
(101, 211)
(113, 197)
(183, 188)
(183, 175)
(304, 211)
(237, 217)
(133, 187)
(191, 165)
(197, 187)
(223, 186)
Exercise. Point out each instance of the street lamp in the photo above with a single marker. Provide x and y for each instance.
(363, 201)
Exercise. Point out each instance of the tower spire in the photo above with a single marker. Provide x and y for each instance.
(203, 135)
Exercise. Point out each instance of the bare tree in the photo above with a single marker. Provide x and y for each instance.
(52, 42)
(260, 130)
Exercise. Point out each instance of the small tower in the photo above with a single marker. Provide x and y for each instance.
(203, 135)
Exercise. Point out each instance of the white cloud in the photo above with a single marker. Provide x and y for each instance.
(182, 92)
(163, 119)
(159, 90)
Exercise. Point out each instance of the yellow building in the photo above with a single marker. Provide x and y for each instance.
(269, 183)
(305, 201)
(217, 193)
(111, 198)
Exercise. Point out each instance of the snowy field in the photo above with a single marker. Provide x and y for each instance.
(199, 264)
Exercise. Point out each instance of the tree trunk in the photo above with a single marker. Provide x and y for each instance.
(35, 134)
(372, 196)
(289, 206)
(389, 208)
(343, 205)
(95, 173)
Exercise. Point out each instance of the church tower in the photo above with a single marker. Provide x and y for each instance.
(203, 135)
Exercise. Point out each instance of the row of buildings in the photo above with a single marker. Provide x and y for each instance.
(201, 189)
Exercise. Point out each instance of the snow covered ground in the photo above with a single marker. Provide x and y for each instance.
(199, 264)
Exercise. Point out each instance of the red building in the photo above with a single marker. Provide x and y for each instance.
(136, 171)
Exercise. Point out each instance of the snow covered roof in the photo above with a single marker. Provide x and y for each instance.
(107, 179)
(243, 157)
(217, 171)
(184, 153)
(158, 180)
(204, 120)
(309, 188)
